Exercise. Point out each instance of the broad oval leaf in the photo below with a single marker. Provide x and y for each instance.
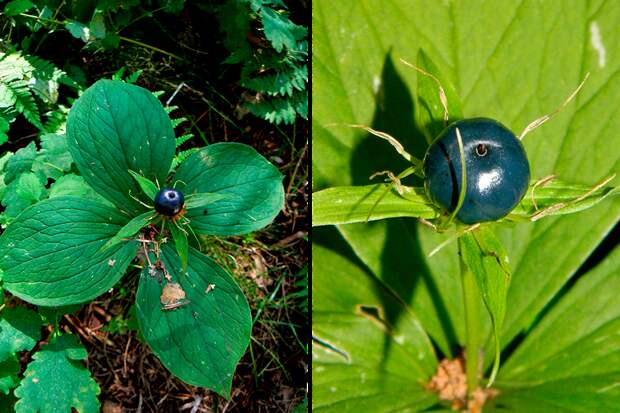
(202, 339)
(370, 353)
(252, 185)
(590, 313)
(114, 127)
(51, 253)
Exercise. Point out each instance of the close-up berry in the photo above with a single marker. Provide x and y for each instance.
(497, 170)
(169, 202)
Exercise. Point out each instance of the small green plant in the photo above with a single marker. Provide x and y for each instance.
(69, 249)
(273, 52)
(97, 23)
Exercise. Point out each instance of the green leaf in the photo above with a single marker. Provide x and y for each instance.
(201, 341)
(97, 26)
(56, 380)
(51, 252)
(129, 230)
(4, 128)
(195, 201)
(252, 186)
(583, 394)
(572, 197)
(29, 187)
(430, 113)
(363, 359)
(148, 187)
(357, 80)
(111, 41)
(487, 259)
(350, 204)
(181, 243)
(20, 163)
(279, 30)
(20, 329)
(9, 376)
(78, 30)
(54, 159)
(14, 203)
(15, 7)
(114, 127)
(589, 311)
(75, 185)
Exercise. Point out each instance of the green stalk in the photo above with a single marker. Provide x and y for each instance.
(472, 324)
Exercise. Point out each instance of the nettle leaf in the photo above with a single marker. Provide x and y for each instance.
(51, 252)
(29, 187)
(202, 339)
(54, 159)
(75, 185)
(20, 162)
(115, 127)
(369, 352)
(57, 381)
(252, 186)
(350, 204)
(20, 329)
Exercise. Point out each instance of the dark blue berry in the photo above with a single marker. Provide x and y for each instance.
(169, 202)
(498, 172)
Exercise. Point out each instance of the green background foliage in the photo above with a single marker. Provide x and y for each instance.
(274, 68)
(513, 65)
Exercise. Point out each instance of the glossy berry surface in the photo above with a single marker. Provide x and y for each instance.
(498, 171)
(169, 202)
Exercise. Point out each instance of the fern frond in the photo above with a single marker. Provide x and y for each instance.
(22, 77)
(24, 101)
(183, 138)
(283, 82)
(181, 156)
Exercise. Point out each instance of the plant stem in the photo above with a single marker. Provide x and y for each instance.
(472, 323)
(148, 46)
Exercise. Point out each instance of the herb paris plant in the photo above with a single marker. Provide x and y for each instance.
(68, 250)
(370, 344)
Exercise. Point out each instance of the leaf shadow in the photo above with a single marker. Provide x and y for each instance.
(403, 262)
